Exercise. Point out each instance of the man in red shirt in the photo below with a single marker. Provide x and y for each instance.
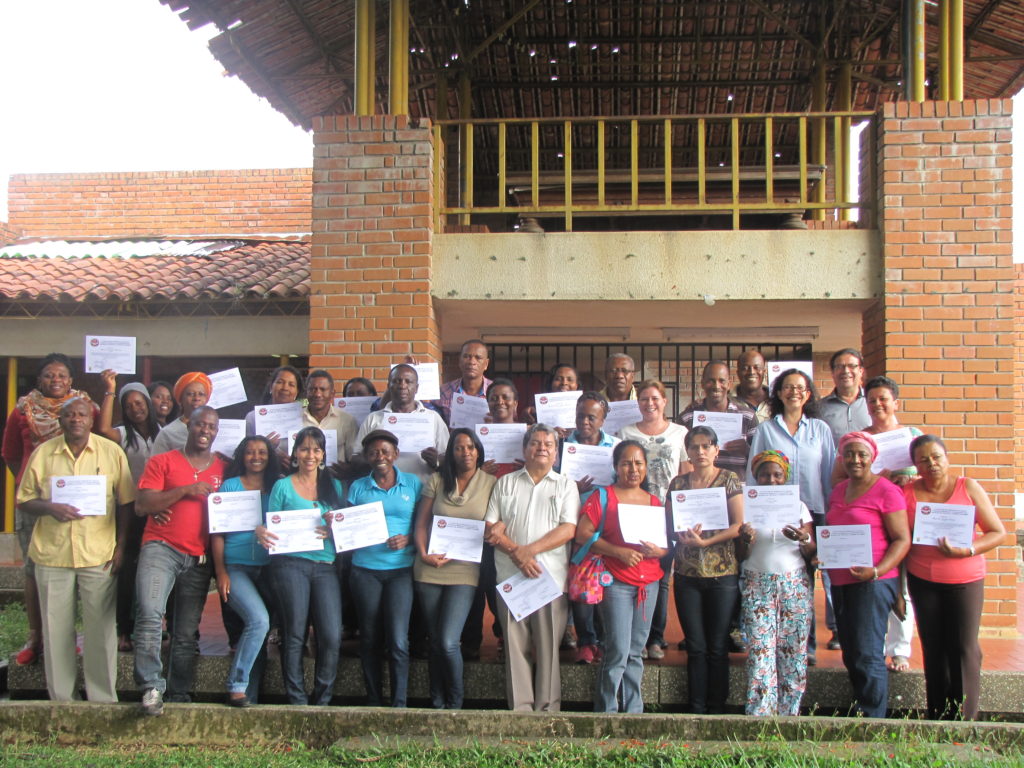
(172, 492)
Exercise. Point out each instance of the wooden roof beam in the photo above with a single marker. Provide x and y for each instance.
(981, 18)
(793, 31)
(510, 22)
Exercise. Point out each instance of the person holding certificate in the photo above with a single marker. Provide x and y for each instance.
(238, 561)
(664, 442)
(627, 607)
(947, 580)
(503, 408)
(381, 578)
(320, 411)
(776, 595)
(284, 386)
(305, 585)
(474, 357)
(191, 391)
(733, 421)
(707, 577)
(445, 587)
(863, 595)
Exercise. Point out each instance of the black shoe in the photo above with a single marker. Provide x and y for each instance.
(241, 702)
(834, 644)
(736, 644)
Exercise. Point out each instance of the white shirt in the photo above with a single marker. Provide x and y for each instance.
(408, 461)
(529, 511)
(773, 553)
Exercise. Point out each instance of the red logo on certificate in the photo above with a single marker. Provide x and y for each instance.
(484, 430)
(752, 494)
(460, 400)
(275, 519)
(94, 342)
(680, 497)
(341, 403)
(442, 523)
(507, 588)
(571, 449)
(215, 499)
(263, 411)
(926, 510)
(543, 401)
(339, 516)
(826, 534)
(392, 419)
(702, 418)
(60, 483)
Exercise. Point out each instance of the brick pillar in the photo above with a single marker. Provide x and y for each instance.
(945, 329)
(370, 302)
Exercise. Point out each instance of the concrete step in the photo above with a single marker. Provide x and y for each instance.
(12, 577)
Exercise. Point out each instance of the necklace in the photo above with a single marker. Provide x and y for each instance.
(196, 470)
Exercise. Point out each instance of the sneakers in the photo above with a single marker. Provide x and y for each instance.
(655, 651)
(834, 644)
(585, 655)
(152, 703)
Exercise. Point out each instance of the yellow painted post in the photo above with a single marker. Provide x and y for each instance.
(944, 51)
(600, 163)
(734, 129)
(702, 160)
(634, 161)
(567, 152)
(12, 400)
(843, 169)
(668, 161)
(956, 50)
(818, 98)
(535, 163)
(769, 160)
(398, 96)
(914, 70)
(366, 57)
(502, 166)
(440, 193)
(803, 160)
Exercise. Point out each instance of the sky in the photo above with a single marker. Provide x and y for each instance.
(124, 85)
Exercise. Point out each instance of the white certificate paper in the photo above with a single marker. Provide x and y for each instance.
(457, 538)
(330, 439)
(295, 530)
(230, 433)
(557, 409)
(595, 461)
(893, 450)
(727, 426)
(116, 353)
(524, 596)
(415, 431)
(844, 546)
(778, 366)
(706, 506)
(954, 521)
(281, 419)
(228, 388)
(356, 407)
(468, 411)
(642, 522)
(429, 377)
(234, 511)
(772, 507)
(361, 526)
(88, 493)
(620, 414)
(502, 443)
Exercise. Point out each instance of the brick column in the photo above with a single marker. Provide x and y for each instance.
(370, 302)
(945, 329)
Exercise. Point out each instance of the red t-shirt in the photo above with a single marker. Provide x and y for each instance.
(187, 531)
(926, 562)
(647, 570)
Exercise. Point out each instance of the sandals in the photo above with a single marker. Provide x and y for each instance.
(899, 664)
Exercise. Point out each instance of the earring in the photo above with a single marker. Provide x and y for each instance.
(323, 465)
(295, 463)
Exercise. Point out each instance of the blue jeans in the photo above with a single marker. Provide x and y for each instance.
(862, 615)
(707, 606)
(384, 600)
(660, 618)
(304, 590)
(446, 608)
(161, 569)
(248, 601)
(826, 584)
(582, 617)
(626, 613)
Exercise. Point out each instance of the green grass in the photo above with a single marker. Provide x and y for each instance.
(13, 629)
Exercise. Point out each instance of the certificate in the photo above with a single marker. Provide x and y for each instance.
(772, 507)
(280, 419)
(415, 431)
(502, 443)
(557, 409)
(595, 461)
(429, 377)
(228, 388)
(234, 511)
(356, 407)
(524, 596)
(468, 411)
(295, 530)
(330, 439)
(778, 366)
(953, 521)
(360, 526)
(230, 433)
(706, 506)
(87, 493)
(893, 450)
(727, 426)
(641, 522)
(457, 538)
(116, 353)
(620, 414)
(844, 546)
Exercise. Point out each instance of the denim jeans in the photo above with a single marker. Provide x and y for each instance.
(660, 618)
(161, 569)
(249, 601)
(384, 600)
(307, 589)
(626, 612)
(862, 615)
(583, 618)
(446, 607)
(826, 585)
(706, 607)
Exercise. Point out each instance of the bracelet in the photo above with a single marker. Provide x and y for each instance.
(972, 551)
(108, 394)
(876, 573)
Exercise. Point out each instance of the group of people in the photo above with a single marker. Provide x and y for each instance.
(143, 557)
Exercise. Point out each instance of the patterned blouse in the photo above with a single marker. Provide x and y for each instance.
(718, 559)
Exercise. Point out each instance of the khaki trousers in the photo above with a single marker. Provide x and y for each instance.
(534, 686)
(98, 591)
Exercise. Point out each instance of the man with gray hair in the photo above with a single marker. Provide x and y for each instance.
(619, 373)
(531, 518)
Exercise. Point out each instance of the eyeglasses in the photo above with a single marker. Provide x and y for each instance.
(796, 390)
(846, 366)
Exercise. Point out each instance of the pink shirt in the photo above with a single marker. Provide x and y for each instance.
(927, 562)
(882, 498)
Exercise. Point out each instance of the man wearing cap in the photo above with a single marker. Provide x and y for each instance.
(191, 391)
(531, 517)
(473, 361)
(77, 550)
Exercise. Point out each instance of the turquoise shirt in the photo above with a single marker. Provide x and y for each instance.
(241, 547)
(283, 498)
(399, 508)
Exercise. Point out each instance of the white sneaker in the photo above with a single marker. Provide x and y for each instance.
(152, 703)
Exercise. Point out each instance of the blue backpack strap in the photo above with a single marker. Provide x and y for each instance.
(585, 549)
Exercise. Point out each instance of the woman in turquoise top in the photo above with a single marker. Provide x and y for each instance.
(382, 574)
(305, 584)
(238, 561)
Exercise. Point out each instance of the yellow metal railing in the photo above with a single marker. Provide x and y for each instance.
(600, 166)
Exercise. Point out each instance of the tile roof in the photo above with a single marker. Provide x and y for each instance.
(162, 270)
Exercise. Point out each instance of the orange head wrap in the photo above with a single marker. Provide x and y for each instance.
(188, 378)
